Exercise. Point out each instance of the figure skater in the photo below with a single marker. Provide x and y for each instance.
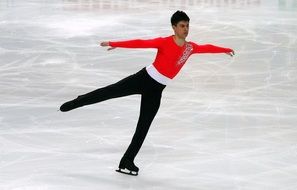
(149, 82)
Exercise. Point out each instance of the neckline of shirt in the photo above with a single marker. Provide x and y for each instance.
(172, 37)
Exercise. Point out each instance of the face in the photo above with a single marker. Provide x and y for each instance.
(181, 29)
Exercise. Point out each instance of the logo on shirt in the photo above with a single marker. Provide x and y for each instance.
(186, 54)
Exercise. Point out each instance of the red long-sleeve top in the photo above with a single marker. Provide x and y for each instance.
(170, 57)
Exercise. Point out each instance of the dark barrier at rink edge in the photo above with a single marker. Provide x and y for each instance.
(119, 4)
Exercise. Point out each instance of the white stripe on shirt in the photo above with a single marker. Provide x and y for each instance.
(155, 74)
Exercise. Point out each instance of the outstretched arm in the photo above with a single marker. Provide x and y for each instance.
(138, 43)
(208, 48)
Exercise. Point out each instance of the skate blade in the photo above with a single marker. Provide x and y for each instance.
(127, 172)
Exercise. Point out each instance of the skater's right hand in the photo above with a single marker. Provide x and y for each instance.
(103, 44)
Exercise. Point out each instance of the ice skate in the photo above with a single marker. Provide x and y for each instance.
(128, 167)
(70, 105)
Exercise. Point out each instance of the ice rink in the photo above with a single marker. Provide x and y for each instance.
(224, 123)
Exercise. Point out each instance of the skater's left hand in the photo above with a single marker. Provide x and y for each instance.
(231, 53)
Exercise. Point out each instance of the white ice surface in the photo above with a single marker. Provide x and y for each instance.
(224, 123)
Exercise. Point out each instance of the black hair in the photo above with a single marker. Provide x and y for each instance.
(179, 16)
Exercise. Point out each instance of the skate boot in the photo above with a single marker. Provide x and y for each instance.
(128, 167)
(70, 105)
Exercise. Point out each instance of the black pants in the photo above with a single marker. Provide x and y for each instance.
(139, 83)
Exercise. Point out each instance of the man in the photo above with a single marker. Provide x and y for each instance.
(173, 52)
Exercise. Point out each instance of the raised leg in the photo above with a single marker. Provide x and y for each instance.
(127, 86)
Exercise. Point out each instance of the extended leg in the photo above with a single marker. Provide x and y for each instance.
(125, 87)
